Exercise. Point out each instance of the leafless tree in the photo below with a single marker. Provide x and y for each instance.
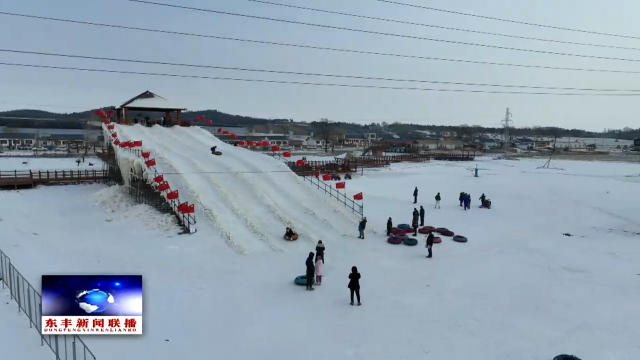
(325, 130)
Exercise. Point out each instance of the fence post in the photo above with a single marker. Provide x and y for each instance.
(30, 313)
(73, 347)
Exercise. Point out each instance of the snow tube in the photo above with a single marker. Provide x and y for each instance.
(396, 231)
(411, 241)
(566, 357)
(404, 226)
(302, 280)
(426, 230)
(444, 232)
(402, 236)
(294, 237)
(217, 153)
(459, 238)
(437, 240)
(394, 240)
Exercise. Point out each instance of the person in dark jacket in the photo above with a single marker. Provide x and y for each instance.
(311, 271)
(213, 149)
(415, 195)
(414, 222)
(361, 226)
(461, 198)
(482, 199)
(288, 233)
(430, 244)
(320, 251)
(354, 284)
(389, 227)
(438, 198)
(421, 216)
(467, 201)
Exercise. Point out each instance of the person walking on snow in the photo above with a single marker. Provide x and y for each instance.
(361, 226)
(354, 284)
(311, 269)
(430, 244)
(482, 199)
(415, 195)
(320, 251)
(438, 201)
(421, 216)
(461, 198)
(389, 227)
(414, 222)
(467, 201)
(319, 265)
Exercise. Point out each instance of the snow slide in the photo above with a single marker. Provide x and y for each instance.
(247, 198)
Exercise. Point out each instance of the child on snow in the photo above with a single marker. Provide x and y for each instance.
(319, 265)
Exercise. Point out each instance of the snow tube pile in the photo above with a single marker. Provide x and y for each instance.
(444, 232)
(394, 240)
(411, 241)
(459, 238)
(404, 226)
(402, 236)
(437, 240)
(396, 231)
(302, 280)
(426, 230)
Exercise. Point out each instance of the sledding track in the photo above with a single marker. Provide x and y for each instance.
(246, 199)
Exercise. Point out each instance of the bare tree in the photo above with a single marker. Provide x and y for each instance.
(326, 129)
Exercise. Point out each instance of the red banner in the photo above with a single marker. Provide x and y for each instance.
(137, 143)
(341, 185)
(173, 195)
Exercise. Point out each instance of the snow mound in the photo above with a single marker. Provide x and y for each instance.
(119, 205)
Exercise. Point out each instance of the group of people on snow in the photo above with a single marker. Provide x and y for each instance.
(315, 267)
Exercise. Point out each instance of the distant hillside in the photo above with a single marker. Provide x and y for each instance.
(45, 119)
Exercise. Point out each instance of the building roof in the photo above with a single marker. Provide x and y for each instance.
(16, 136)
(66, 137)
(150, 101)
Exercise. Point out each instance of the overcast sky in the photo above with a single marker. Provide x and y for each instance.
(65, 91)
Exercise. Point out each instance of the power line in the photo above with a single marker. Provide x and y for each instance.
(438, 26)
(308, 73)
(362, 52)
(381, 33)
(310, 83)
(508, 20)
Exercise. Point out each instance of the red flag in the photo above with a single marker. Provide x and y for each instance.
(286, 154)
(137, 143)
(340, 185)
(126, 144)
(114, 135)
(250, 143)
(110, 126)
(106, 121)
(146, 155)
(197, 119)
(182, 207)
(116, 142)
(326, 177)
(275, 148)
(189, 209)
(300, 162)
(164, 186)
(233, 136)
(358, 196)
(317, 174)
(219, 130)
(241, 143)
(159, 178)
(110, 113)
(99, 112)
(173, 195)
(150, 163)
(209, 122)
(225, 132)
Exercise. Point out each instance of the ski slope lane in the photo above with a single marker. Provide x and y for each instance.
(236, 192)
(197, 185)
(313, 203)
(282, 203)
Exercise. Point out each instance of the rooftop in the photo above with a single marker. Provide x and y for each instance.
(150, 101)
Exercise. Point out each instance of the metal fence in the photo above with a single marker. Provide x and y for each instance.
(65, 347)
(334, 193)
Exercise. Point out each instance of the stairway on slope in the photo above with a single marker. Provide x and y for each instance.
(196, 184)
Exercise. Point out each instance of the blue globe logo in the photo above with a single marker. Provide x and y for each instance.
(94, 301)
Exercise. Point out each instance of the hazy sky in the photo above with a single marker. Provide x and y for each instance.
(40, 88)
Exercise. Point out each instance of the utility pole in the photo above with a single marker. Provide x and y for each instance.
(506, 123)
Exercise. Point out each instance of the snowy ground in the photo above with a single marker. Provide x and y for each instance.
(517, 289)
(17, 340)
(44, 164)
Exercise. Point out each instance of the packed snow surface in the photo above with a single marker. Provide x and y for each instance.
(518, 289)
(44, 164)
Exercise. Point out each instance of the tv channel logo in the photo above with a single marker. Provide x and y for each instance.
(92, 304)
